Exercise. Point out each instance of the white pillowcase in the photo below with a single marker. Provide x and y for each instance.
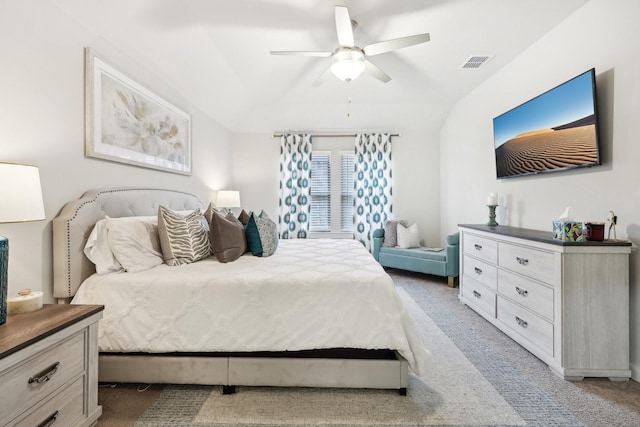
(135, 244)
(408, 237)
(97, 248)
(98, 251)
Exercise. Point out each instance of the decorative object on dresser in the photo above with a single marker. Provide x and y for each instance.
(612, 220)
(49, 367)
(20, 201)
(566, 302)
(127, 123)
(492, 204)
(25, 302)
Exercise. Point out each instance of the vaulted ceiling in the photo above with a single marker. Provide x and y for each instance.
(216, 53)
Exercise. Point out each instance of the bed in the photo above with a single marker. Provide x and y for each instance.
(316, 313)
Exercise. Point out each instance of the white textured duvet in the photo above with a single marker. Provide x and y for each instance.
(311, 294)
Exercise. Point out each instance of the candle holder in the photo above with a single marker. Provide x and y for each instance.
(492, 215)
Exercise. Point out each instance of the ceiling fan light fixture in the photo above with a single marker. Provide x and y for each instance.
(347, 64)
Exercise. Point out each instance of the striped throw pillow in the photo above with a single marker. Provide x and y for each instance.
(184, 239)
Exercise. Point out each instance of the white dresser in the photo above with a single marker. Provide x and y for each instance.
(565, 302)
(49, 367)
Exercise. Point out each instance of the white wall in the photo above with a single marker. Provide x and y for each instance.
(416, 178)
(603, 34)
(42, 122)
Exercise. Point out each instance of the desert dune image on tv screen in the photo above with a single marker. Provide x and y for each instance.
(555, 130)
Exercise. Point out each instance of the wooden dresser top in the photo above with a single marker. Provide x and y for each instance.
(22, 330)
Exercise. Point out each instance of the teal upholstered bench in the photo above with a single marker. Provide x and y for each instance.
(443, 263)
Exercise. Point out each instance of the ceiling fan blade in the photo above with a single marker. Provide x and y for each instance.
(323, 78)
(300, 53)
(344, 27)
(394, 44)
(376, 72)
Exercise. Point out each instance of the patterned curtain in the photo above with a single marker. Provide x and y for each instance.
(372, 204)
(295, 186)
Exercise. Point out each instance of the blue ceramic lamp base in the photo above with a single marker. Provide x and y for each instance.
(4, 267)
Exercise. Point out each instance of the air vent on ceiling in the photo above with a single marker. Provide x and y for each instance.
(475, 61)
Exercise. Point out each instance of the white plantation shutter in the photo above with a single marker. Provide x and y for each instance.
(347, 165)
(320, 191)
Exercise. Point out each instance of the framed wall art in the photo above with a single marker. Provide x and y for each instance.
(127, 123)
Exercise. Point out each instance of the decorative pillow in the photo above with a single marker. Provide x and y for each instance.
(227, 237)
(134, 243)
(262, 235)
(183, 239)
(243, 217)
(390, 232)
(208, 213)
(408, 237)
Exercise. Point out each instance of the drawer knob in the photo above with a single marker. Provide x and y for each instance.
(521, 322)
(477, 294)
(477, 270)
(478, 247)
(522, 261)
(45, 375)
(49, 421)
(521, 291)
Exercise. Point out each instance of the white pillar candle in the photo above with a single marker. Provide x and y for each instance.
(492, 200)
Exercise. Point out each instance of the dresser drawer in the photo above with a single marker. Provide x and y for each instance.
(534, 328)
(64, 408)
(481, 247)
(479, 296)
(535, 263)
(59, 364)
(481, 271)
(532, 295)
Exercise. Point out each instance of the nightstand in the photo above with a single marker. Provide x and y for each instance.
(49, 367)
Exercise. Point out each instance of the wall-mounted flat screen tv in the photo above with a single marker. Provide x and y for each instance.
(555, 131)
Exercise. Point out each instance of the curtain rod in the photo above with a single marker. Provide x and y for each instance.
(334, 135)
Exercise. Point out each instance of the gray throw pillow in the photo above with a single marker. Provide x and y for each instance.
(227, 237)
(391, 232)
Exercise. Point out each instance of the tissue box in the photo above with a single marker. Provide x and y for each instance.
(568, 231)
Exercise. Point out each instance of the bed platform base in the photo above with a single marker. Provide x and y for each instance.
(255, 370)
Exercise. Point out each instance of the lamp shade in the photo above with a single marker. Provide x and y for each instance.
(20, 193)
(228, 199)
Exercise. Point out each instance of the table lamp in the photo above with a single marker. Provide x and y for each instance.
(228, 199)
(20, 201)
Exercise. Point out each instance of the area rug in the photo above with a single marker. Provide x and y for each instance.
(456, 392)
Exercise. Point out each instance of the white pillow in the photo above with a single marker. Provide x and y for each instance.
(98, 251)
(408, 237)
(134, 243)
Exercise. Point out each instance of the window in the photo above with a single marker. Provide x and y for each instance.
(320, 191)
(326, 215)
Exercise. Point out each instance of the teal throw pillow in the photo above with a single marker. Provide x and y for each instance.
(262, 235)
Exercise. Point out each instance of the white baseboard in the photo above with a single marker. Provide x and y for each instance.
(635, 372)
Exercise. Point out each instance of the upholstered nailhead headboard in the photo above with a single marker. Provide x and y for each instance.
(72, 227)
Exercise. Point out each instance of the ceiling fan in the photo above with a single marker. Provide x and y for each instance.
(348, 61)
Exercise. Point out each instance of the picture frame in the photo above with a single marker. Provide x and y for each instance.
(127, 123)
